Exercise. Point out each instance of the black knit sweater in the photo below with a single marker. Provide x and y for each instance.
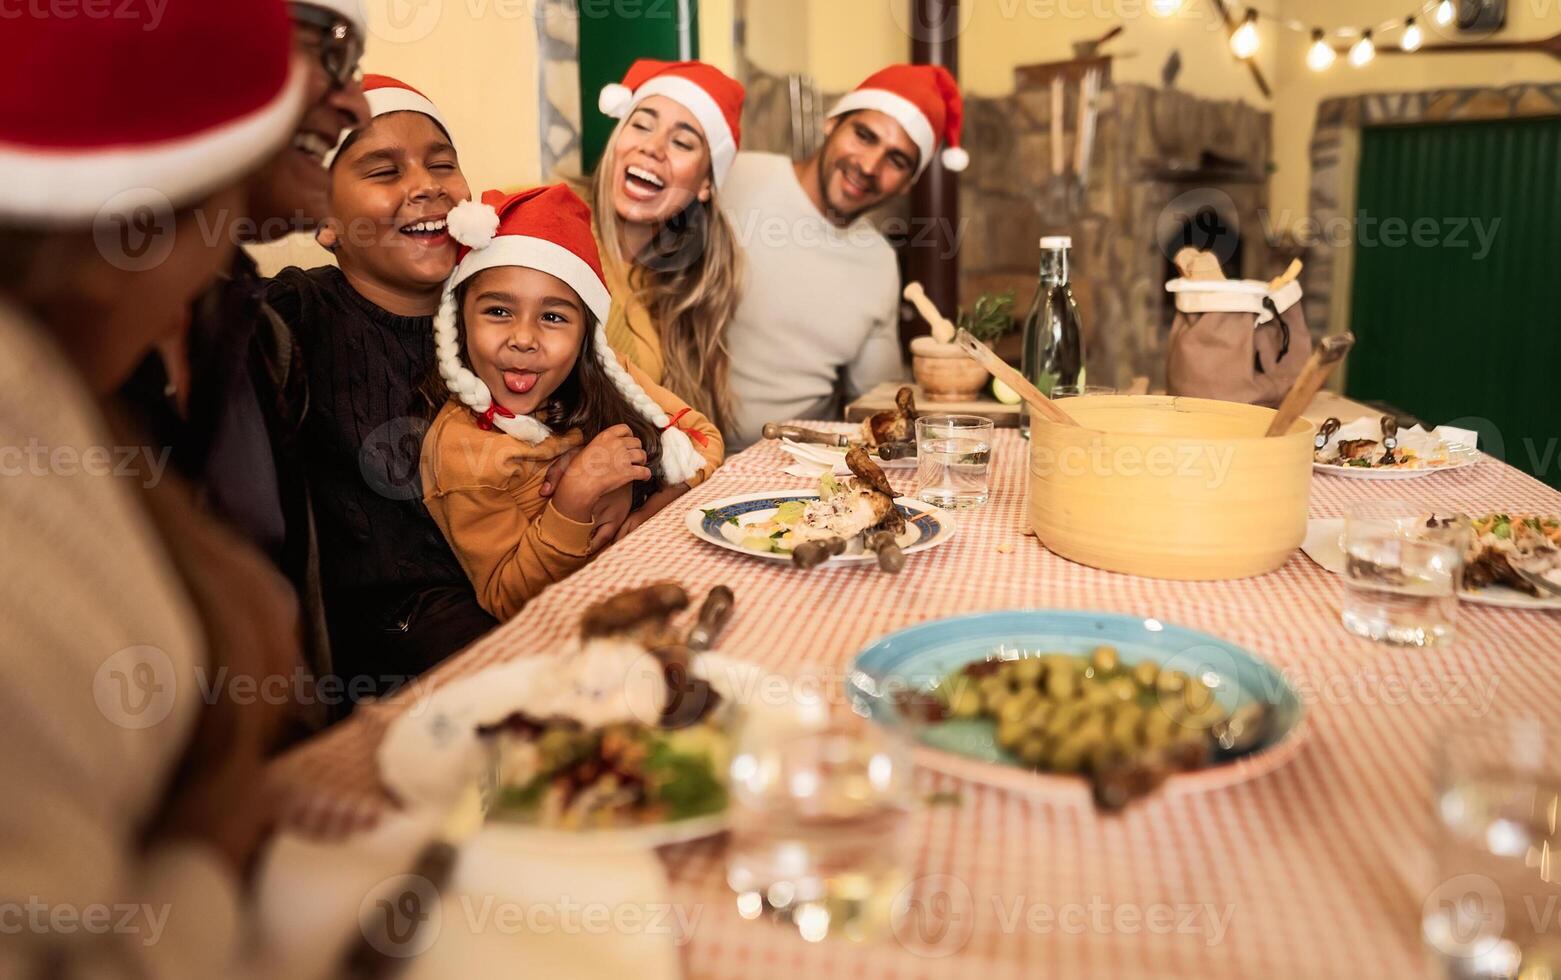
(361, 443)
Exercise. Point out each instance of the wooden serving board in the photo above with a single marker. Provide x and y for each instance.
(881, 398)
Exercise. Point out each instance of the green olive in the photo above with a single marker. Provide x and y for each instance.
(1205, 718)
(1158, 727)
(1122, 689)
(1197, 695)
(1033, 751)
(1016, 706)
(1011, 734)
(965, 702)
(1126, 725)
(1104, 660)
(993, 696)
(1062, 680)
(1145, 673)
(1029, 669)
(1069, 756)
(1063, 719)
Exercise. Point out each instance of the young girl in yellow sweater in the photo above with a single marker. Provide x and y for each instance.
(524, 358)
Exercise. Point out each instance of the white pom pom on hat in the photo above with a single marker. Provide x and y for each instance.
(473, 223)
(615, 100)
(955, 158)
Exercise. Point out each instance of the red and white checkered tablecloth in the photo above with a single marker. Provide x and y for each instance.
(1318, 869)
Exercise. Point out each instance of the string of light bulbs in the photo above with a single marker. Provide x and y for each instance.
(1321, 54)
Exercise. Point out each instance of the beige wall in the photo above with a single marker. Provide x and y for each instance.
(1004, 33)
(477, 60)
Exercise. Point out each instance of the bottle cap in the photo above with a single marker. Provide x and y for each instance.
(1057, 241)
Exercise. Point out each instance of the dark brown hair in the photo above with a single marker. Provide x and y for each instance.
(586, 400)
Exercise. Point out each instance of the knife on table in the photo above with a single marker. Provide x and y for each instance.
(797, 433)
(389, 935)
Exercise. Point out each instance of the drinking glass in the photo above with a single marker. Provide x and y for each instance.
(1495, 908)
(1403, 569)
(819, 818)
(953, 454)
(1074, 391)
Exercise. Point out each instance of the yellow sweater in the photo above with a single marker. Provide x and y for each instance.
(631, 329)
(483, 489)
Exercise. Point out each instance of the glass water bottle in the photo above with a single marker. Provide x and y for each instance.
(1053, 344)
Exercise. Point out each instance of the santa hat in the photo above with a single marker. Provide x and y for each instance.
(547, 229)
(104, 116)
(924, 100)
(715, 99)
(386, 95)
(349, 10)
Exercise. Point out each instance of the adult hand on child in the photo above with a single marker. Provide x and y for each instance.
(613, 459)
(556, 472)
(610, 514)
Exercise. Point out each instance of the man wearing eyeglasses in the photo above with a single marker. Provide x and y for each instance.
(289, 194)
(228, 398)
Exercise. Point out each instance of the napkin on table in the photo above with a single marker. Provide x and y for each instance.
(510, 910)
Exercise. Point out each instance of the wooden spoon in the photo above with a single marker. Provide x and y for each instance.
(983, 355)
(942, 329)
(1291, 273)
(1324, 359)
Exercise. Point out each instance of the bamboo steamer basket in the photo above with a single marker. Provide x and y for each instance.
(1175, 488)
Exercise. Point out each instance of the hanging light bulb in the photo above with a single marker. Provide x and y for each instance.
(1321, 54)
(1363, 50)
(1445, 12)
(1413, 37)
(1245, 41)
(1165, 8)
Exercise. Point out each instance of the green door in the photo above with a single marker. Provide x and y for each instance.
(1457, 264)
(613, 34)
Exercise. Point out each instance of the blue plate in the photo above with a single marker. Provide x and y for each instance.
(917, 659)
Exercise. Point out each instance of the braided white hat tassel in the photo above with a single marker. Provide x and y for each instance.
(679, 459)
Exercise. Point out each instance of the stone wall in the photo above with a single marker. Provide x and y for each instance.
(1144, 180)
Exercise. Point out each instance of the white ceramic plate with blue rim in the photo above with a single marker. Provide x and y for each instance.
(919, 658)
(721, 523)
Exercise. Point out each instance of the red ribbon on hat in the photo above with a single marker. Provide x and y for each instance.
(694, 434)
(485, 419)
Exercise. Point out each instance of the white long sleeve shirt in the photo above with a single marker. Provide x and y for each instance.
(818, 323)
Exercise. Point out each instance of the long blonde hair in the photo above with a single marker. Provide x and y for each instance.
(692, 297)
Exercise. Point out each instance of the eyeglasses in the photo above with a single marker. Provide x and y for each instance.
(339, 47)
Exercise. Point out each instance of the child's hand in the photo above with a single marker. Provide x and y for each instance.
(613, 459)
